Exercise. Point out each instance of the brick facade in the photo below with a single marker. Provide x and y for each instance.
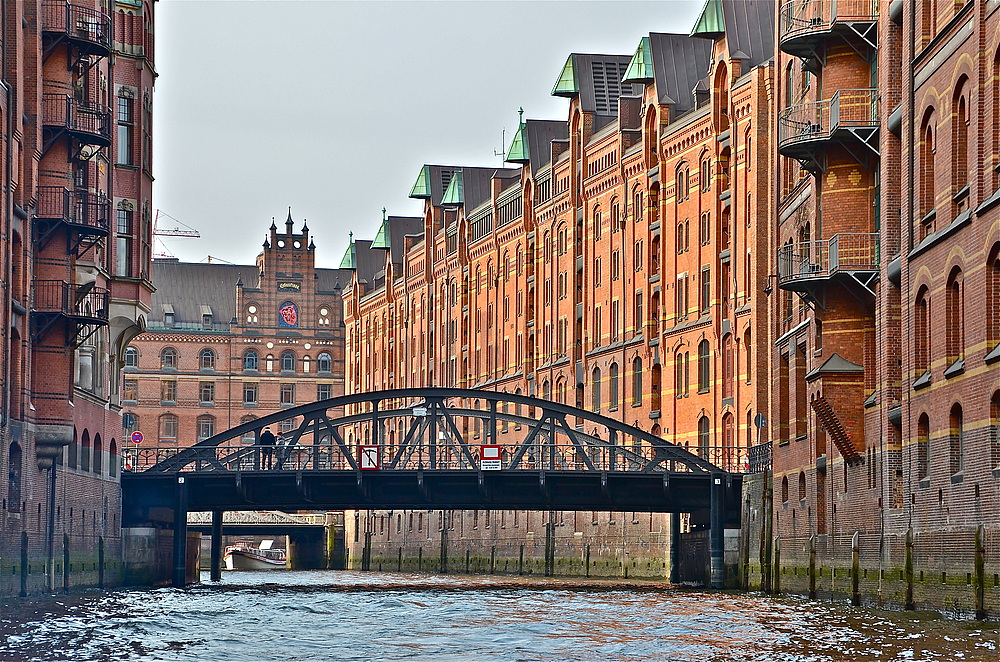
(76, 112)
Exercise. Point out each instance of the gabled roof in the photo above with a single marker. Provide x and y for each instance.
(350, 259)
(836, 364)
(422, 187)
(597, 80)
(399, 227)
(640, 68)
(455, 194)
(432, 182)
(518, 152)
(748, 26)
(679, 62)
(382, 238)
(540, 134)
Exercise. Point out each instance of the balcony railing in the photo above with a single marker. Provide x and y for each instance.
(83, 26)
(87, 211)
(804, 18)
(823, 259)
(89, 123)
(822, 120)
(85, 303)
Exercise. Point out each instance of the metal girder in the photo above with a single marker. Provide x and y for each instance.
(434, 435)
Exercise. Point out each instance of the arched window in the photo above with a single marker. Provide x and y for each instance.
(923, 447)
(636, 382)
(802, 485)
(596, 387)
(704, 436)
(206, 426)
(206, 359)
(955, 317)
(956, 436)
(250, 436)
(168, 428)
(168, 358)
(682, 182)
(704, 366)
(324, 363)
(131, 357)
(14, 477)
(288, 361)
(993, 300)
(250, 359)
(613, 373)
(546, 390)
(727, 366)
(114, 461)
(597, 226)
(960, 140)
(654, 388)
(995, 430)
(921, 332)
(98, 455)
(85, 449)
(784, 489)
(927, 184)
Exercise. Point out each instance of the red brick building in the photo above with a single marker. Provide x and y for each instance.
(615, 268)
(226, 344)
(76, 109)
(886, 405)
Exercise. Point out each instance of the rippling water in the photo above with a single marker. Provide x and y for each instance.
(290, 616)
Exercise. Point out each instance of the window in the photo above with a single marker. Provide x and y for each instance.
(597, 327)
(613, 403)
(206, 393)
(597, 271)
(597, 224)
(615, 265)
(596, 387)
(705, 229)
(923, 447)
(706, 289)
(131, 357)
(955, 336)
(704, 366)
(705, 173)
(324, 363)
(287, 362)
(206, 427)
(168, 428)
(682, 179)
(638, 313)
(250, 359)
(704, 436)
(206, 359)
(288, 394)
(637, 382)
(637, 257)
(956, 435)
(680, 375)
(615, 320)
(168, 390)
(324, 391)
(682, 296)
(250, 393)
(126, 128)
(125, 237)
(921, 333)
(131, 391)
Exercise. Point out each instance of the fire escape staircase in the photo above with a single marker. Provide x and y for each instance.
(831, 423)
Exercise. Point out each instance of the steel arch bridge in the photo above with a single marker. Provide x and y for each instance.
(334, 434)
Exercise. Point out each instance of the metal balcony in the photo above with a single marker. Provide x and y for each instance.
(87, 30)
(82, 307)
(809, 267)
(86, 215)
(849, 119)
(88, 125)
(805, 25)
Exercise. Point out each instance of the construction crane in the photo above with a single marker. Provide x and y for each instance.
(159, 248)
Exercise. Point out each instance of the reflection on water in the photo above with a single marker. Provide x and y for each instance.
(291, 616)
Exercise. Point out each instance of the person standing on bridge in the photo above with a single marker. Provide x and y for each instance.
(267, 442)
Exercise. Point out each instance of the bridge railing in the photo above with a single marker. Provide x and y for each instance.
(326, 457)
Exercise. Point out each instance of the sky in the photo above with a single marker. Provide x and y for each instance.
(331, 108)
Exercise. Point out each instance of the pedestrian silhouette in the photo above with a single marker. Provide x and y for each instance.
(267, 442)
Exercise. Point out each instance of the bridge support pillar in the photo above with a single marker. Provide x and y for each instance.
(307, 550)
(716, 544)
(216, 569)
(336, 542)
(179, 575)
(675, 548)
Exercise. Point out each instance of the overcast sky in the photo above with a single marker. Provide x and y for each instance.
(332, 107)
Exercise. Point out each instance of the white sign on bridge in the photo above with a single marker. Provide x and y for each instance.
(368, 458)
(490, 458)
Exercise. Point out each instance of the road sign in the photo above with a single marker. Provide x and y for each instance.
(368, 458)
(420, 411)
(136, 437)
(490, 458)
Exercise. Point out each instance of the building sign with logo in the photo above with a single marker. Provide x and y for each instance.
(289, 286)
(288, 315)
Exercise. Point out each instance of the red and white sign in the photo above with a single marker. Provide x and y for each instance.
(136, 437)
(368, 458)
(490, 458)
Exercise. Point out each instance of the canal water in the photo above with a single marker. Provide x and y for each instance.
(291, 616)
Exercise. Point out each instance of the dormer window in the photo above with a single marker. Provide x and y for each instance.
(206, 316)
(168, 315)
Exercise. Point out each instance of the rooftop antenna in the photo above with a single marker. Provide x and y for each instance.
(503, 142)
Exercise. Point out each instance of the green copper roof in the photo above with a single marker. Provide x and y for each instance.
(711, 23)
(422, 187)
(350, 260)
(566, 85)
(455, 194)
(640, 68)
(518, 152)
(382, 238)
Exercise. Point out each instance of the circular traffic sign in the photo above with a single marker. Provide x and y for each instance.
(137, 437)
